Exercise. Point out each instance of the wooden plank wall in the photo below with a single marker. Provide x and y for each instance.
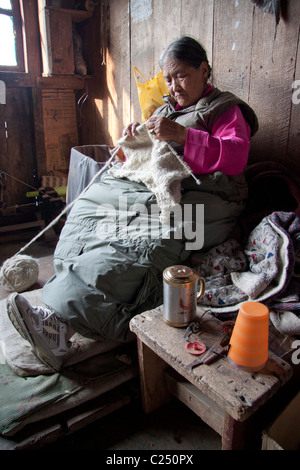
(248, 54)
(17, 145)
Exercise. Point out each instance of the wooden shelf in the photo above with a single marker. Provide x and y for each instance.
(74, 82)
(77, 16)
(56, 29)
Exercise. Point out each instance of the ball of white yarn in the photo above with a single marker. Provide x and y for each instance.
(19, 273)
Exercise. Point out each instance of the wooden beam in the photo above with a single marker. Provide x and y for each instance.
(62, 82)
(77, 16)
(31, 32)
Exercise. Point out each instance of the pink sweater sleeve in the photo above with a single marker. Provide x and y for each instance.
(226, 149)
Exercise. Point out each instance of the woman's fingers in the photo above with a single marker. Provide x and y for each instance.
(130, 130)
(165, 129)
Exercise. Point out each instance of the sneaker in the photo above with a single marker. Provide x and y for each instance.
(38, 325)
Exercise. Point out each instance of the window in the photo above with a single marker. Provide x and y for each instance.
(11, 38)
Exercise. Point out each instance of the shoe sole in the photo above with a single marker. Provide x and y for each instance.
(16, 318)
(19, 324)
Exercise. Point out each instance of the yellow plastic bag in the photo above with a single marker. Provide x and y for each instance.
(150, 93)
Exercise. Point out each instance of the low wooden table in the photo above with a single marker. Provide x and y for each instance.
(225, 397)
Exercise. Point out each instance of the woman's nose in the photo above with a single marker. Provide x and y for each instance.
(175, 84)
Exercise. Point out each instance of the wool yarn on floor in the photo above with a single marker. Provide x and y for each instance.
(19, 273)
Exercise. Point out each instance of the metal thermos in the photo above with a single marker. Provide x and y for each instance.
(180, 291)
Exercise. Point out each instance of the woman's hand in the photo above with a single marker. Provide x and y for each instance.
(129, 131)
(120, 154)
(165, 129)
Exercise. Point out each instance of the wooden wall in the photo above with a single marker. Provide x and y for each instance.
(17, 152)
(248, 54)
(249, 57)
(18, 157)
(38, 122)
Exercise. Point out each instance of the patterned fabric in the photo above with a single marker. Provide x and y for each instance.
(266, 269)
(216, 267)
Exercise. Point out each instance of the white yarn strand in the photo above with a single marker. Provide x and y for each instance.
(68, 207)
(20, 272)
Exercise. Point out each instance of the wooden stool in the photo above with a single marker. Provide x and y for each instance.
(228, 399)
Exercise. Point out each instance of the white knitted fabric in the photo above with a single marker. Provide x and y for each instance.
(154, 163)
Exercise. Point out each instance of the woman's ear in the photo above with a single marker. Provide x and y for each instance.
(204, 70)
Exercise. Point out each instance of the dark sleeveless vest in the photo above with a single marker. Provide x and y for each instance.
(207, 110)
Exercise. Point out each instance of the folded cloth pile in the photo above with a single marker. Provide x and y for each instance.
(266, 269)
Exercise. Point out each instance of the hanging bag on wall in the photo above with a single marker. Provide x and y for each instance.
(150, 93)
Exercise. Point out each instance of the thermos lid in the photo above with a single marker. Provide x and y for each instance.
(179, 273)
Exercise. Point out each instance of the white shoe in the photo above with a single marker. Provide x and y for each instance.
(40, 326)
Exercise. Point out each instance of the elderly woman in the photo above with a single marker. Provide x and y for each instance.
(209, 127)
(101, 282)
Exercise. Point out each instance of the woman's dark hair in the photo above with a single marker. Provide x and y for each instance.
(187, 50)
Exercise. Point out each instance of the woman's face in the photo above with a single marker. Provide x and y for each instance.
(184, 82)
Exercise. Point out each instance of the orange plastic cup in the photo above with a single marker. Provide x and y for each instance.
(249, 342)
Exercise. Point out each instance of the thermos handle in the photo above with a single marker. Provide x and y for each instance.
(202, 288)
